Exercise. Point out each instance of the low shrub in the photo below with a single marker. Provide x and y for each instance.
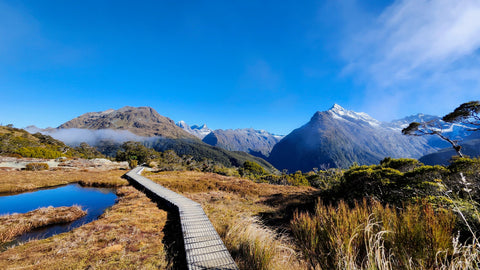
(37, 166)
(132, 163)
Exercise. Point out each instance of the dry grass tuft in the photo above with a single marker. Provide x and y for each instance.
(258, 247)
(17, 224)
(373, 236)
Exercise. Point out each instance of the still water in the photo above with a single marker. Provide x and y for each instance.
(94, 200)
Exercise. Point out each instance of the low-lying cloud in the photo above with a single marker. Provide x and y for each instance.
(75, 136)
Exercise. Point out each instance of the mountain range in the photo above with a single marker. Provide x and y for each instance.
(334, 138)
(256, 142)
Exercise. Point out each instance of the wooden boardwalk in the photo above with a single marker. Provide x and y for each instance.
(203, 247)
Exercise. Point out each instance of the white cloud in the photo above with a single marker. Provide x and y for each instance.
(419, 54)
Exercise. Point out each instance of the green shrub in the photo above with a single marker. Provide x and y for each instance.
(132, 163)
(251, 169)
(400, 164)
(39, 152)
(37, 166)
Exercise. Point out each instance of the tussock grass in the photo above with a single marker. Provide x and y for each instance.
(372, 236)
(17, 224)
(127, 236)
(19, 181)
(463, 256)
(257, 247)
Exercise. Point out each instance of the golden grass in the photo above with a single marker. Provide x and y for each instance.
(127, 236)
(260, 247)
(233, 205)
(373, 236)
(17, 224)
(19, 181)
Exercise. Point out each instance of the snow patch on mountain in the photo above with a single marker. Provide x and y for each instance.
(198, 131)
(338, 112)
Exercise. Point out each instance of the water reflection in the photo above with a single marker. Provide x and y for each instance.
(94, 200)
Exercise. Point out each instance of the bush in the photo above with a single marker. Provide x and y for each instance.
(39, 152)
(132, 163)
(400, 164)
(37, 166)
(251, 169)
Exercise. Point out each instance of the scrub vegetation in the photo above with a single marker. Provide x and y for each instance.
(20, 143)
(399, 214)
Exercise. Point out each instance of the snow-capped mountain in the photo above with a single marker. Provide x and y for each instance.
(340, 137)
(256, 142)
(198, 131)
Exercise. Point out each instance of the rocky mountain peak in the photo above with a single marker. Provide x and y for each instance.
(142, 121)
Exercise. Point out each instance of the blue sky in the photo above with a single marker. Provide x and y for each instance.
(236, 64)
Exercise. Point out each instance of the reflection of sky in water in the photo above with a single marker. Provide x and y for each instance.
(94, 200)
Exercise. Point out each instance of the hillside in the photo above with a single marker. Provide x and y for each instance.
(19, 142)
(199, 151)
(470, 148)
(339, 138)
(142, 121)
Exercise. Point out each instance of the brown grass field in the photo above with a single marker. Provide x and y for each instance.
(20, 181)
(235, 207)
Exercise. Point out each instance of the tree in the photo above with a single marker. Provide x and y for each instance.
(136, 151)
(431, 127)
(467, 113)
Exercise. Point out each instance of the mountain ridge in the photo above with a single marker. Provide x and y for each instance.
(338, 138)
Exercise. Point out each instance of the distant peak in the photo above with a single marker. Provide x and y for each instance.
(337, 107)
(182, 124)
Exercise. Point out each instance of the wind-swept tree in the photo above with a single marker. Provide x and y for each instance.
(431, 127)
(467, 113)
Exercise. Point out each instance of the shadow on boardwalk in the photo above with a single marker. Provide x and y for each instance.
(172, 231)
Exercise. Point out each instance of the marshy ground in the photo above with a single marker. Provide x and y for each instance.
(135, 232)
